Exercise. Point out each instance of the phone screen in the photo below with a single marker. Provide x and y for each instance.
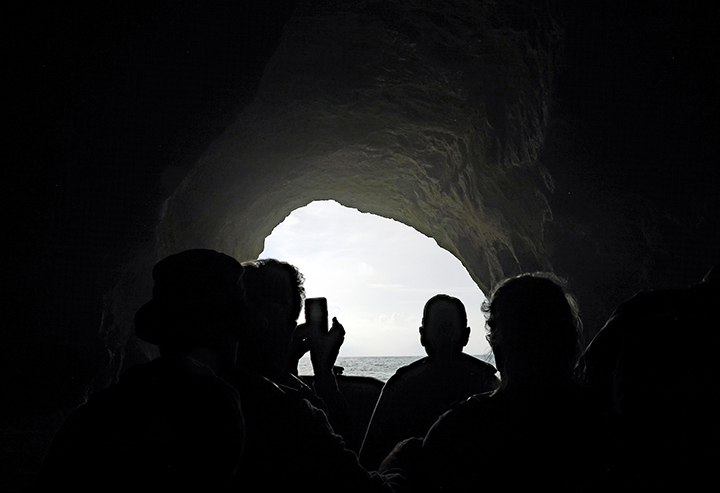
(316, 312)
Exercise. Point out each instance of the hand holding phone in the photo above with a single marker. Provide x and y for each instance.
(324, 343)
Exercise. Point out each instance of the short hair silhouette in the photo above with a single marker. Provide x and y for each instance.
(267, 281)
(456, 304)
(418, 393)
(291, 442)
(444, 326)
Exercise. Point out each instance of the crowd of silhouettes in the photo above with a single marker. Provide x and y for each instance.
(224, 409)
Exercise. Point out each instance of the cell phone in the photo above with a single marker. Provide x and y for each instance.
(316, 312)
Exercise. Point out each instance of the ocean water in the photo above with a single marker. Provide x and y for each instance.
(380, 367)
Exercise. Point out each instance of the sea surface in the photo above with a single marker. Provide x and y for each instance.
(380, 367)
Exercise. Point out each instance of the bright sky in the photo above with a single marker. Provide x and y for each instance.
(376, 274)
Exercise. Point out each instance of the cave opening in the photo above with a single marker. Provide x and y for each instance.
(376, 273)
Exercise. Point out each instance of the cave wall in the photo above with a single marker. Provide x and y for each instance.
(432, 115)
(445, 117)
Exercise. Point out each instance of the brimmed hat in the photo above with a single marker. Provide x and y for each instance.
(197, 299)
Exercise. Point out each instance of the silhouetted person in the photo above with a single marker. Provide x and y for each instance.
(290, 443)
(275, 290)
(538, 431)
(417, 394)
(170, 424)
(599, 360)
(654, 365)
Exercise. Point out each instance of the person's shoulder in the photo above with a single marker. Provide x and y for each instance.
(477, 401)
(408, 370)
(168, 372)
(457, 424)
(404, 380)
(470, 418)
(477, 364)
(258, 390)
(469, 405)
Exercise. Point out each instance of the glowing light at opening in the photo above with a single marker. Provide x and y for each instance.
(377, 275)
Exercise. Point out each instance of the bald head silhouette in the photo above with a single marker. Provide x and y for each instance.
(444, 331)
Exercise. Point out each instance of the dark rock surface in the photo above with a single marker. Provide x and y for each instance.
(433, 116)
(567, 137)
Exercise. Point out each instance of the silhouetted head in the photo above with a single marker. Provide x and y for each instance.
(533, 326)
(275, 292)
(687, 321)
(444, 331)
(197, 302)
(272, 281)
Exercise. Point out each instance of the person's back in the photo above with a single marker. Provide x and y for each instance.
(170, 423)
(664, 402)
(290, 444)
(516, 441)
(539, 429)
(166, 425)
(417, 394)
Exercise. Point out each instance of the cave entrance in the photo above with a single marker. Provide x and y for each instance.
(376, 273)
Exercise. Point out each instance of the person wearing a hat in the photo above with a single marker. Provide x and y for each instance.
(170, 423)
